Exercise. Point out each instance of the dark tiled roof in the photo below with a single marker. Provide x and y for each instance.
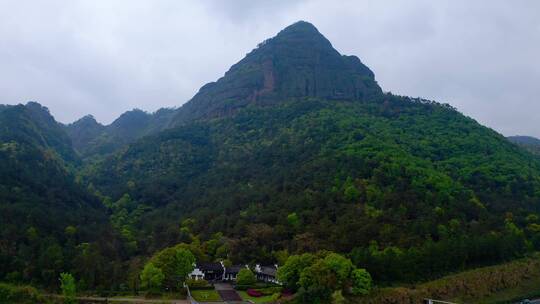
(269, 270)
(234, 268)
(210, 267)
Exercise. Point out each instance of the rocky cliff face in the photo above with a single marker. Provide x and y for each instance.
(298, 62)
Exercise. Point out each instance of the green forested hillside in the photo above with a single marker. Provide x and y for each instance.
(347, 176)
(48, 222)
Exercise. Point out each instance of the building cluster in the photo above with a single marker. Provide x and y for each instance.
(217, 271)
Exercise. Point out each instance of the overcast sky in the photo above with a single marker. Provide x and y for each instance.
(106, 57)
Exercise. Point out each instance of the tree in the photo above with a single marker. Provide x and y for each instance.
(361, 282)
(246, 277)
(293, 220)
(67, 285)
(340, 266)
(152, 278)
(338, 298)
(290, 272)
(323, 277)
(318, 282)
(175, 263)
(184, 264)
(51, 261)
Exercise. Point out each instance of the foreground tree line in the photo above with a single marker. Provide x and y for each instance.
(314, 277)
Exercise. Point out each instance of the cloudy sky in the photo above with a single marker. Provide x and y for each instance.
(104, 57)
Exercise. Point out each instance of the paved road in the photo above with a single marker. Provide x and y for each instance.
(227, 293)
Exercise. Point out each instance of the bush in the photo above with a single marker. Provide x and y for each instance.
(246, 277)
(361, 282)
(19, 294)
(270, 290)
(198, 284)
(275, 297)
(254, 293)
(67, 285)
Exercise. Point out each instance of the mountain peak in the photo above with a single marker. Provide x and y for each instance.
(86, 120)
(132, 116)
(298, 62)
(302, 28)
(301, 25)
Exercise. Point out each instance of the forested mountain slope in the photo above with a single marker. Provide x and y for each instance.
(528, 142)
(313, 174)
(297, 149)
(44, 214)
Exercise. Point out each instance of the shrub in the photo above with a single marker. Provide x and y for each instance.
(270, 290)
(19, 294)
(67, 284)
(198, 284)
(275, 297)
(361, 282)
(254, 293)
(338, 298)
(246, 277)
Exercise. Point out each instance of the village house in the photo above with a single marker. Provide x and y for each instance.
(217, 271)
(208, 271)
(232, 272)
(266, 274)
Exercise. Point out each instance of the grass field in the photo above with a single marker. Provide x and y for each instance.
(504, 283)
(527, 290)
(263, 299)
(205, 295)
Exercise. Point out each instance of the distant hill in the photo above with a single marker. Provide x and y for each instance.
(91, 138)
(44, 213)
(528, 142)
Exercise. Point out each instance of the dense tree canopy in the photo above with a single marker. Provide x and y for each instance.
(295, 150)
(318, 277)
(152, 278)
(305, 175)
(49, 223)
(175, 264)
